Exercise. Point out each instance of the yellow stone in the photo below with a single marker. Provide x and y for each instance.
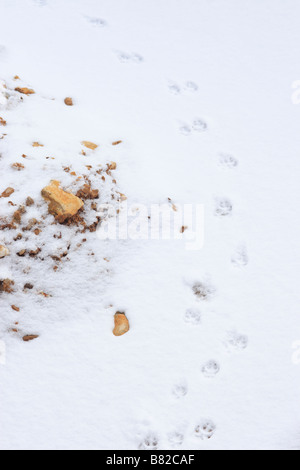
(69, 101)
(89, 145)
(61, 204)
(3, 251)
(111, 166)
(122, 196)
(121, 324)
(25, 91)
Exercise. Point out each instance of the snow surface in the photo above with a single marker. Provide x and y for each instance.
(152, 73)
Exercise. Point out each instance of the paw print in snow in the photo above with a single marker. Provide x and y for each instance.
(210, 369)
(236, 341)
(240, 258)
(149, 443)
(173, 88)
(223, 208)
(98, 22)
(205, 429)
(203, 290)
(180, 389)
(176, 438)
(125, 57)
(137, 58)
(192, 316)
(185, 130)
(199, 125)
(227, 162)
(189, 86)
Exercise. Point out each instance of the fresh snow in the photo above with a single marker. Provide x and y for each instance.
(200, 93)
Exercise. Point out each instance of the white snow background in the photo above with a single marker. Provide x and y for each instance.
(144, 71)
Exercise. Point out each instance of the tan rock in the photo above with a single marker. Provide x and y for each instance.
(111, 166)
(2, 122)
(86, 192)
(29, 201)
(6, 285)
(122, 197)
(69, 101)
(17, 217)
(8, 192)
(25, 91)
(30, 225)
(121, 324)
(27, 338)
(61, 204)
(21, 253)
(3, 251)
(89, 145)
(34, 253)
(28, 286)
(37, 144)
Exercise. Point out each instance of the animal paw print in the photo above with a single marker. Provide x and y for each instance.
(223, 208)
(210, 369)
(188, 86)
(97, 22)
(149, 443)
(125, 57)
(236, 341)
(137, 58)
(180, 390)
(185, 130)
(198, 125)
(174, 88)
(203, 290)
(205, 429)
(191, 86)
(227, 162)
(192, 316)
(240, 258)
(176, 438)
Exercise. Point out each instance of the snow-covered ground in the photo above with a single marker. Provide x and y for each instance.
(149, 73)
